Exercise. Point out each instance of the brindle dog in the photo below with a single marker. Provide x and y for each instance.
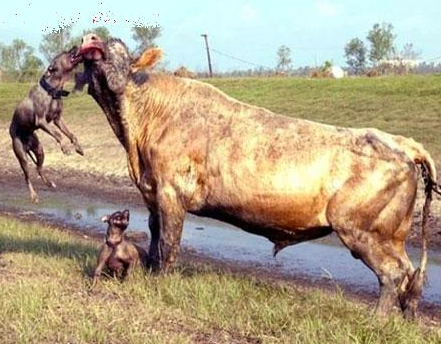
(118, 255)
(41, 109)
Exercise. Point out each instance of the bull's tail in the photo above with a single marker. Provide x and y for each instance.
(428, 171)
(409, 299)
(429, 186)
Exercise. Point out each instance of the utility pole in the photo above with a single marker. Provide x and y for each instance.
(208, 54)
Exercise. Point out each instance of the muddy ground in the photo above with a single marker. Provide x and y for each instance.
(117, 190)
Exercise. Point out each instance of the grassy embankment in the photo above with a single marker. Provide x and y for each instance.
(44, 298)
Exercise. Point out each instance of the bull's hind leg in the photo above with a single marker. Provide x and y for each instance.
(388, 260)
(37, 149)
(374, 226)
(20, 152)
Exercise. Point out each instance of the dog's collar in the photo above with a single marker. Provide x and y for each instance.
(52, 91)
(113, 244)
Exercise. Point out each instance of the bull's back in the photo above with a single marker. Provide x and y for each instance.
(249, 163)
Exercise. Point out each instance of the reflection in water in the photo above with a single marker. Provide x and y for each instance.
(316, 260)
(91, 211)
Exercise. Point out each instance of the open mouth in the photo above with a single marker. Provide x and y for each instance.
(91, 52)
(76, 58)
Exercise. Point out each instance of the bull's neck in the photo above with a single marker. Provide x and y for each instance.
(111, 104)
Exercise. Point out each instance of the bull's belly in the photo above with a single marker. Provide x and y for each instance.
(294, 211)
(287, 196)
(282, 225)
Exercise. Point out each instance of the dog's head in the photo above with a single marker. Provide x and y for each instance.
(62, 65)
(117, 224)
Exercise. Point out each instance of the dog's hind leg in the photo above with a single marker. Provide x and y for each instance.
(37, 148)
(20, 152)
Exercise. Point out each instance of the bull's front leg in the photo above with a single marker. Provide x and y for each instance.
(170, 219)
(154, 256)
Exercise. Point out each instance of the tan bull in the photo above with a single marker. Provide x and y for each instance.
(191, 148)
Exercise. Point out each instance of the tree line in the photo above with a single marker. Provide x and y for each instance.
(361, 56)
(380, 47)
(19, 61)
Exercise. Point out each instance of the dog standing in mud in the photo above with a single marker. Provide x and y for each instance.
(118, 255)
(41, 109)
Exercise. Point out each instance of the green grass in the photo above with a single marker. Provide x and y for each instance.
(407, 105)
(77, 104)
(44, 298)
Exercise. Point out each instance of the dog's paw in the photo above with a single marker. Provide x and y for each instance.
(65, 149)
(79, 150)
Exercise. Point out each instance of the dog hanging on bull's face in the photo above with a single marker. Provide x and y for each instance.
(118, 65)
(42, 109)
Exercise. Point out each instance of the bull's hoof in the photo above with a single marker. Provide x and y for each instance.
(410, 313)
(34, 199)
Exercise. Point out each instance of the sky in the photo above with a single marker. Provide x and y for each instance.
(315, 31)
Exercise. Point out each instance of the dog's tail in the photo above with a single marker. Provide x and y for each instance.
(33, 158)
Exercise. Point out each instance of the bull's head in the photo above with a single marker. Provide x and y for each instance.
(93, 48)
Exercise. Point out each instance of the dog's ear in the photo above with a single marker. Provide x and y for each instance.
(126, 214)
(73, 50)
(105, 218)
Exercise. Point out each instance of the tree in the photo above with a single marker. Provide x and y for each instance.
(18, 61)
(33, 66)
(284, 58)
(145, 35)
(55, 42)
(409, 52)
(381, 39)
(355, 53)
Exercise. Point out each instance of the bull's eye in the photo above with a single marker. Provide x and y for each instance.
(93, 38)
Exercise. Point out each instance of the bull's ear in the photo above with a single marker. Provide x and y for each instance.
(105, 218)
(148, 59)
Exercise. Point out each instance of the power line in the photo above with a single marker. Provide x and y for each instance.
(239, 59)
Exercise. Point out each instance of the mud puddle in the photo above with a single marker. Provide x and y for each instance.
(321, 260)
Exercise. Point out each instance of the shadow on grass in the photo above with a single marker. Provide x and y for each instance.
(84, 254)
(46, 247)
